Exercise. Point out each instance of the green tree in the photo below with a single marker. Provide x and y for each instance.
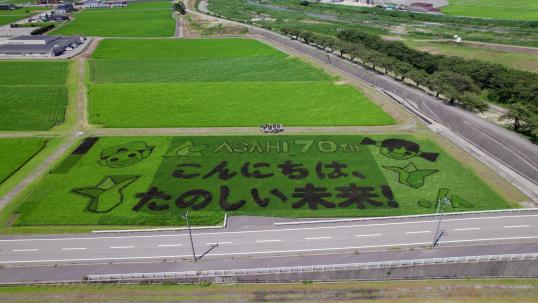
(519, 113)
(472, 101)
(180, 7)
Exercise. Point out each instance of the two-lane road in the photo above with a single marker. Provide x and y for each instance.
(304, 240)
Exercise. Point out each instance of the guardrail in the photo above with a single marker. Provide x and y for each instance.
(449, 214)
(224, 224)
(307, 269)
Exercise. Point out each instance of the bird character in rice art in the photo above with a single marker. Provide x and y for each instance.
(400, 149)
(126, 154)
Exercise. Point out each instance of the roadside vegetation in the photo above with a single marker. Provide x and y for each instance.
(216, 83)
(138, 19)
(37, 94)
(455, 291)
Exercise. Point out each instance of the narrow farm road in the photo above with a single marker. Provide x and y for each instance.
(179, 26)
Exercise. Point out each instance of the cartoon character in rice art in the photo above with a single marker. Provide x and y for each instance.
(126, 154)
(400, 149)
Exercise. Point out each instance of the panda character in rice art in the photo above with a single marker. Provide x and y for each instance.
(400, 149)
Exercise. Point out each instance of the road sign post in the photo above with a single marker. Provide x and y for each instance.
(186, 217)
(441, 203)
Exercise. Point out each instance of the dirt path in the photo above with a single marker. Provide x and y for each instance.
(179, 26)
(207, 131)
(37, 173)
(476, 44)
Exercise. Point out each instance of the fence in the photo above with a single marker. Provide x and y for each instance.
(448, 214)
(306, 269)
(164, 229)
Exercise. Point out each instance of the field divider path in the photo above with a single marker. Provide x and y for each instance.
(179, 26)
(251, 130)
(37, 173)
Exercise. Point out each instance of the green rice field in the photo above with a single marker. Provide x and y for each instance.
(33, 94)
(14, 153)
(494, 9)
(151, 180)
(138, 19)
(216, 82)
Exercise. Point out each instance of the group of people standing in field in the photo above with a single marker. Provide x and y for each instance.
(271, 128)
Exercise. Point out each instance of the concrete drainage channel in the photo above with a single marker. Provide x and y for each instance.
(510, 265)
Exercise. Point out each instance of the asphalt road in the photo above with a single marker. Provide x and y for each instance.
(274, 241)
(509, 148)
(30, 273)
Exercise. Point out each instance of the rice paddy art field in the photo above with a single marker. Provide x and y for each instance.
(138, 19)
(152, 180)
(216, 82)
(495, 9)
(33, 94)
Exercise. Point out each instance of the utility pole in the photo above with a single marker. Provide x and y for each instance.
(186, 217)
(441, 203)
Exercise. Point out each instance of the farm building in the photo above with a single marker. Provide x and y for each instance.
(423, 7)
(65, 8)
(46, 46)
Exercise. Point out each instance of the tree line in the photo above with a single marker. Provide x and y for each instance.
(468, 83)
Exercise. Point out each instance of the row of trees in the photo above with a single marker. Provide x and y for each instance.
(455, 79)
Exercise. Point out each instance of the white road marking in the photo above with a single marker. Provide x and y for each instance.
(121, 247)
(264, 252)
(169, 245)
(318, 238)
(74, 248)
(368, 235)
(219, 243)
(264, 241)
(516, 226)
(417, 232)
(261, 231)
(465, 229)
(27, 249)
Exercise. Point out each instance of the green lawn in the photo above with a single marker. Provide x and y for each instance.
(14, 153)
(9, 16)
(394, 291)
(33, 95)
(528, 62)
(216, 82)
(138, 19)
(495, 9)
(150, 180)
